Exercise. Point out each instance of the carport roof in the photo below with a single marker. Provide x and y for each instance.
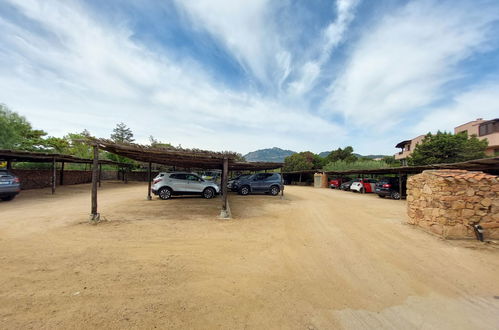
(187, 158)
(485, 164)
(45, 157)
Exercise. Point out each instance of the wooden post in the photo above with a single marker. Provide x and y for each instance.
(54, 169)
(125, 174)
(362, 188)
(100, 174)
(400, 185)
(61, 175)
(298, 180)
(225, 213)
(9, 165)
(149, 178)
(282, 185)
(95, 216)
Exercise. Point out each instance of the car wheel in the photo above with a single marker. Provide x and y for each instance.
(381, 196)
(274, 190)
(8, 198)
(208, 193)
(165, 193)
(395, 195)
(245, 190)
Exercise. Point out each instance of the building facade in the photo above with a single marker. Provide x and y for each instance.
(483, 129)
(407, 147)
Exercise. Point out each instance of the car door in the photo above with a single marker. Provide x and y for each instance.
(178, 182)
(272, 178)
(194, 183)
(260, 183)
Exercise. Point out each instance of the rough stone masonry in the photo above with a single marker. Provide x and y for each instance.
(449, 203)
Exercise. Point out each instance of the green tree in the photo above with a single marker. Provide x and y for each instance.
(303, 161)
(122, 134)
(57, 145)
(391, 161)
(76, 146)
(341, 154)
(446, 147)
(17, 133)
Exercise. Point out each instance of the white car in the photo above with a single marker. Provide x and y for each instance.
(366, 185)
(165, 185)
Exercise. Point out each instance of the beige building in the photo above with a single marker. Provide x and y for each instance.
(483, 129)
(407, 147)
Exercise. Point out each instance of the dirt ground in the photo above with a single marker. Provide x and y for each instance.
(319, 259)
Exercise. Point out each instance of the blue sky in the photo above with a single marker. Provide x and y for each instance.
(245, 75)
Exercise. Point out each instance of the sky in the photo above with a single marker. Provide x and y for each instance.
(252, 74)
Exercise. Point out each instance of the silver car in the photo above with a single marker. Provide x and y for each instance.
(165, 185)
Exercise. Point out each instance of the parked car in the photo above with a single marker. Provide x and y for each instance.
(261, 182)
(10, 185)
(335, 183)
(390, 187)
(366, 185)
(165, 185)
(233, 184)
(346, 185)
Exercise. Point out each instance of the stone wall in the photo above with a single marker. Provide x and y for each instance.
(450, 202)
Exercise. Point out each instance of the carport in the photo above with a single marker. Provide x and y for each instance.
(11, 156)
(488, 165)
(178, 157)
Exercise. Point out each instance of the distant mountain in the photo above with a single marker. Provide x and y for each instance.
(324, 154)
(268, 155)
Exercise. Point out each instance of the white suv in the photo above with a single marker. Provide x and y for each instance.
(165, 185)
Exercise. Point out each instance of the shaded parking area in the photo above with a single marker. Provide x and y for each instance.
(320, 258)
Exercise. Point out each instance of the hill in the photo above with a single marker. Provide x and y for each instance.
(268, 155)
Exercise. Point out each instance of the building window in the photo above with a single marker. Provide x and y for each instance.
(487, 128)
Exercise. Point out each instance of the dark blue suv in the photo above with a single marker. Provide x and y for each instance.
(261, 183)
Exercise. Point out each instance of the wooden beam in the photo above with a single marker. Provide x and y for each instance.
(225, 214)
(100, 174)
(400, 185)
(54, 169)
(61, 175)
(149, 178)
(94, 215)
(282, 185)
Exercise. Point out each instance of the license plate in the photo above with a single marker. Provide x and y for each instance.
(4, 182)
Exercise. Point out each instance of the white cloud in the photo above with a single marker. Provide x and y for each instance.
(403, 62)
(90, 74)
(480, 102)
(332, 36)
(246, 30)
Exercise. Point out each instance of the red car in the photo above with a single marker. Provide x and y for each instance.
(335, 183)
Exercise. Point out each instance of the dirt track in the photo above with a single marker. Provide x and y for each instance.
(319, 259)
